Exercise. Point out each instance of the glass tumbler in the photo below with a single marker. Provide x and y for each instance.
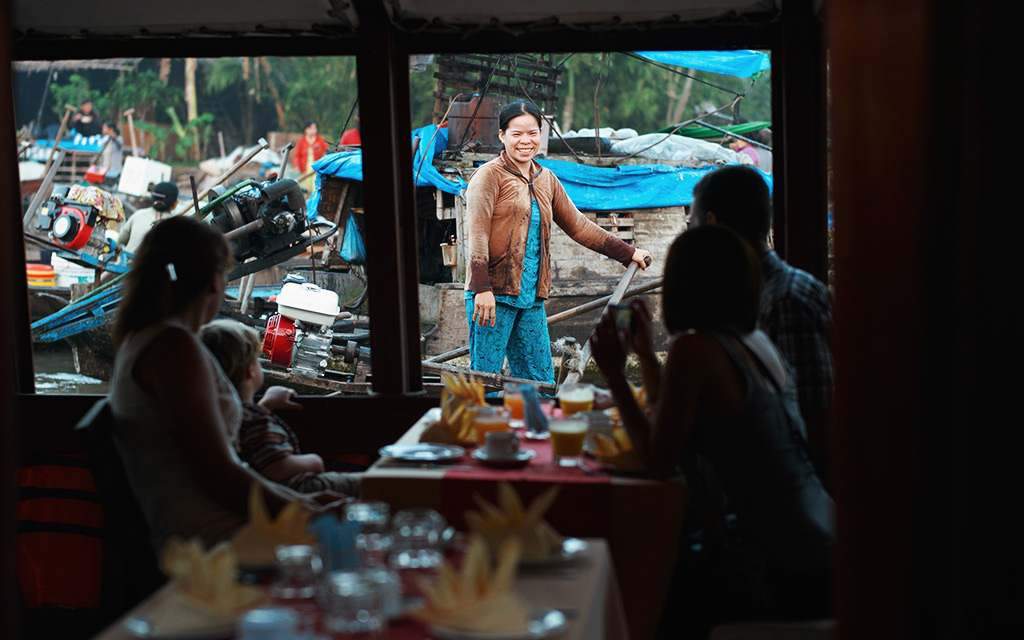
(374, 539)
(351, 603)
(416, 540)
(298, 570)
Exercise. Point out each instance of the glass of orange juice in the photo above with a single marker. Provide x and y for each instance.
(487, 419)
(567, 436)
(575, 397)
(514, 404)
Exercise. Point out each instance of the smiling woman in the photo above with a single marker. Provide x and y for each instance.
(511, 202)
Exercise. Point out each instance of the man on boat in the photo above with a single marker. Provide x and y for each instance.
(165, 196)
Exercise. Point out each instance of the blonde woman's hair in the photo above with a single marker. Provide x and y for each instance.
(235, 346)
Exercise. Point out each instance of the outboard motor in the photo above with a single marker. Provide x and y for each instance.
(76, 218)
(299, 335)
(273, 215)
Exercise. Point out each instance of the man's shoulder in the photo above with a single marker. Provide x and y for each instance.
(792, 290)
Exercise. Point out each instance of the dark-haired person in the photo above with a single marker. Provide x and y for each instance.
(112, 156)
(511, 202)
(176, 413)
(724, 414)
(85, 120)
(796, 308)
(164, 196)
(310, 148)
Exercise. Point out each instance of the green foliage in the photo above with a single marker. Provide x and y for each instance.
(632, 93)
(73, 92)
(142, 91)
(160, 135)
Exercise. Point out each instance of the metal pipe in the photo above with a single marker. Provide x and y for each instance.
(733, 135)
(260, 146)
(248, 227)
(43, 192)
(285, 152)
(558, 317)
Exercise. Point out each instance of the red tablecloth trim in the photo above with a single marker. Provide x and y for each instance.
(579, 510)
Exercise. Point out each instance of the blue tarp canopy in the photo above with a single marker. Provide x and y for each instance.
(629, 186)
(349, 165)
(590, 188)
(740, 64)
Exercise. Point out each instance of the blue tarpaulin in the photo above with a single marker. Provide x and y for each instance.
(629, 186)
(741, 64)
(349, 166)
(590, 188)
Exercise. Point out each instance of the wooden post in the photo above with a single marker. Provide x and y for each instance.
(131, 130)
(392, 265)
(68, 110)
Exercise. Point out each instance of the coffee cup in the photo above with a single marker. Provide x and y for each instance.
(501, 444)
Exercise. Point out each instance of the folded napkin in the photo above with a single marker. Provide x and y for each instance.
(475, 598)
(255, 542)
(208, 579)
(459, 397)
(617, 450)
(496, 524)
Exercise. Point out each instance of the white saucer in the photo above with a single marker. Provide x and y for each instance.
(522, 457)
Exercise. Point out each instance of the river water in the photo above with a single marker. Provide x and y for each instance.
(55, 372)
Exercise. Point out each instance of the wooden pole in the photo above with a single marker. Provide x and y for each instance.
(220, 143)
(261, 145)
(131, 130)
(615, 298)
(68, 110)
(558, 317)
(43, 192)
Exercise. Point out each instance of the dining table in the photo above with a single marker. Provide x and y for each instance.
(640, 518)
(584, 590)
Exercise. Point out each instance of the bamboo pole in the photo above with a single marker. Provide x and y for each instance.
(131, 130)
(43, 192)
(616, 297)
(68, 110)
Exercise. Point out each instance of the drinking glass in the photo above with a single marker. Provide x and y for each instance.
(351, 602)
(374, 539)
(487, 419)
(567, 436)
(514, 404)
(298, 569)
(575, 397)
(416, 537)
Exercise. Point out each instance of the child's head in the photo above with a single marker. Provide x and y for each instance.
(237, 348)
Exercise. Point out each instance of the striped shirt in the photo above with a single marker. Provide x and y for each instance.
(263, 438)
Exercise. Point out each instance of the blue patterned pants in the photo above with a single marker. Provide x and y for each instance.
(519, 334)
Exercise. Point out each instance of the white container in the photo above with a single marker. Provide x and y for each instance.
(69, 273)
(307, 302)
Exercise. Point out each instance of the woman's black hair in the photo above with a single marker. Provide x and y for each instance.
(712, 282)
(310, 123)
(516, 109)
(113, 128)
(174, 266)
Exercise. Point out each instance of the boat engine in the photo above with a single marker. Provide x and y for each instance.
(76, 219)
(299, 335)
(264, 221)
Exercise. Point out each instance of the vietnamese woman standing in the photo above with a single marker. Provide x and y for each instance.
(511, 202)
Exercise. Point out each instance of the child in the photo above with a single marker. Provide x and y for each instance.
(265, 442)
